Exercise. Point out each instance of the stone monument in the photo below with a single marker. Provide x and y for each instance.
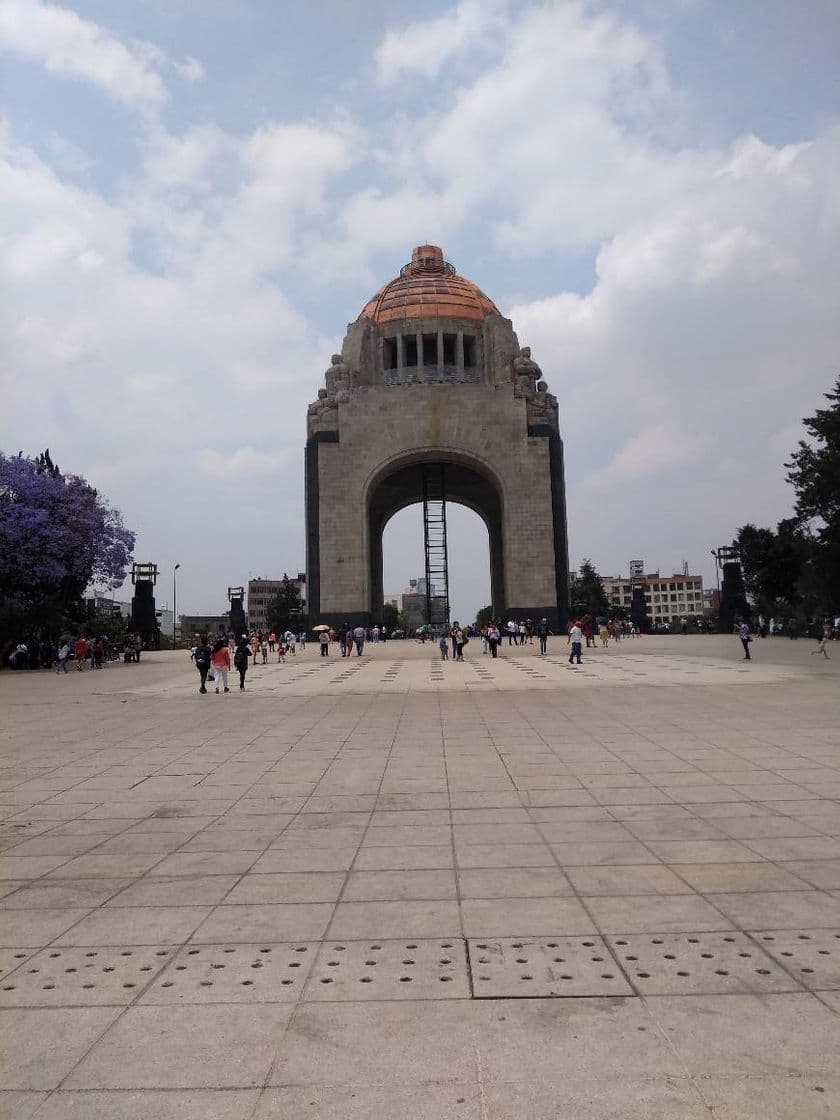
(433, 395)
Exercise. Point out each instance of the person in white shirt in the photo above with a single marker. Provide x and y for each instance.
(576, 640)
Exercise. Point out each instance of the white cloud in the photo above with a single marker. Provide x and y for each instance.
(425, 46)
(166, 330)
(243, 461)
(191, 69)
(648, 453)
(72, 47)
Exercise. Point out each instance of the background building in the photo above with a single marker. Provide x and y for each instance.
(208, 624)
(262, 591)
(413, 601)
(104, 605)
(667, 597)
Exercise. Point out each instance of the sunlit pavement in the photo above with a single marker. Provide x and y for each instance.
(387, 886)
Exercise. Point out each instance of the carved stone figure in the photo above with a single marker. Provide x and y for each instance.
(526, 373)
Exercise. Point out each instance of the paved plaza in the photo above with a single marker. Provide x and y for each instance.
(391, 888)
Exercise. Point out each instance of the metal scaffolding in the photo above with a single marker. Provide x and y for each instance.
(434, 537)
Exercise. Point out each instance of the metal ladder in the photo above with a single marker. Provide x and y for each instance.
(434, 537)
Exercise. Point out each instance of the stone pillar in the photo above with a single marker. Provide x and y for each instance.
(400, 351)
(419, 336)
(459, 352)
(439, 348)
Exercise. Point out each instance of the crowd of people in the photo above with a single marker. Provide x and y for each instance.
(85, 651)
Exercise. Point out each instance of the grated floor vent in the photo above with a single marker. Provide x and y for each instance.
(83, 977)
(362, 970)
(264, 973)
(812, 956)
(698, 963)
(557, 966)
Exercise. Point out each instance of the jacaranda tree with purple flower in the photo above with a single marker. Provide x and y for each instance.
(57, 536)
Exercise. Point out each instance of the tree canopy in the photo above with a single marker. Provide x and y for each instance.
(483, 616)
(774, 564)
(814, 472)
(587, 592)
(284, 611)
(796, 567)
(57, 537)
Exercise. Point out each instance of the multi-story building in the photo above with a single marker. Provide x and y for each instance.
(262, 591)
(667, 597)
(412, 601)
(208, 624)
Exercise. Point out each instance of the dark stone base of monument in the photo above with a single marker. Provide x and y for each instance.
(143, 619)
(733, 598)
(638, 611)
(237, 617)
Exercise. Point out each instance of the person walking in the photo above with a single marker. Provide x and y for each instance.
(240, 660)
(324, 643)
(443, 646)
(220, 660)
(576, 642)
(542, 634)
(823, 642)
(493, 637)
(201, 657)
(359, 639)
(80, 650)
(745, 635)
(63, 656)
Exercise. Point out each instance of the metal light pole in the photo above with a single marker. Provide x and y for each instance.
(174, 603)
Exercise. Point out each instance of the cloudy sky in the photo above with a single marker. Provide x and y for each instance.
(198, 198)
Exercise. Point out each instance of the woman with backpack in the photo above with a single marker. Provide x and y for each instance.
(240, 660)
(201, 657)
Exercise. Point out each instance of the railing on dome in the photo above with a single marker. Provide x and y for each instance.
(428, 264)
(431, 375)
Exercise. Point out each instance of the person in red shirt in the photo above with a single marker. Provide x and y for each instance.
(220, 660)
(80, 650)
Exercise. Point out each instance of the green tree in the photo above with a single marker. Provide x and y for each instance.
(390, 616)
(587, 593)
(814, 472)
(774, 565)
(284, 611)
(483, 616)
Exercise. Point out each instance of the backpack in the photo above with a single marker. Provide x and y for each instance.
(202, 657)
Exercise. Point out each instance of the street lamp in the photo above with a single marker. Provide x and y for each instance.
(174, 602)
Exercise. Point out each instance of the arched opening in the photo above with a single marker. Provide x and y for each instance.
(467, 484)
(469, 557)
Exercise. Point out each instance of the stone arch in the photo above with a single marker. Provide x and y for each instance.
(398, 483)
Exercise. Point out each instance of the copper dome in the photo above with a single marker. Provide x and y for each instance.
(428, 288)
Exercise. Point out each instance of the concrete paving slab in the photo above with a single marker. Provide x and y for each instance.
(602, 1099)
(41, 1046)
(451, 1100)
(214, 1047)
(104, 976)
(149, 1104)
(280, 922)
(665, 791)
(259, 973)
